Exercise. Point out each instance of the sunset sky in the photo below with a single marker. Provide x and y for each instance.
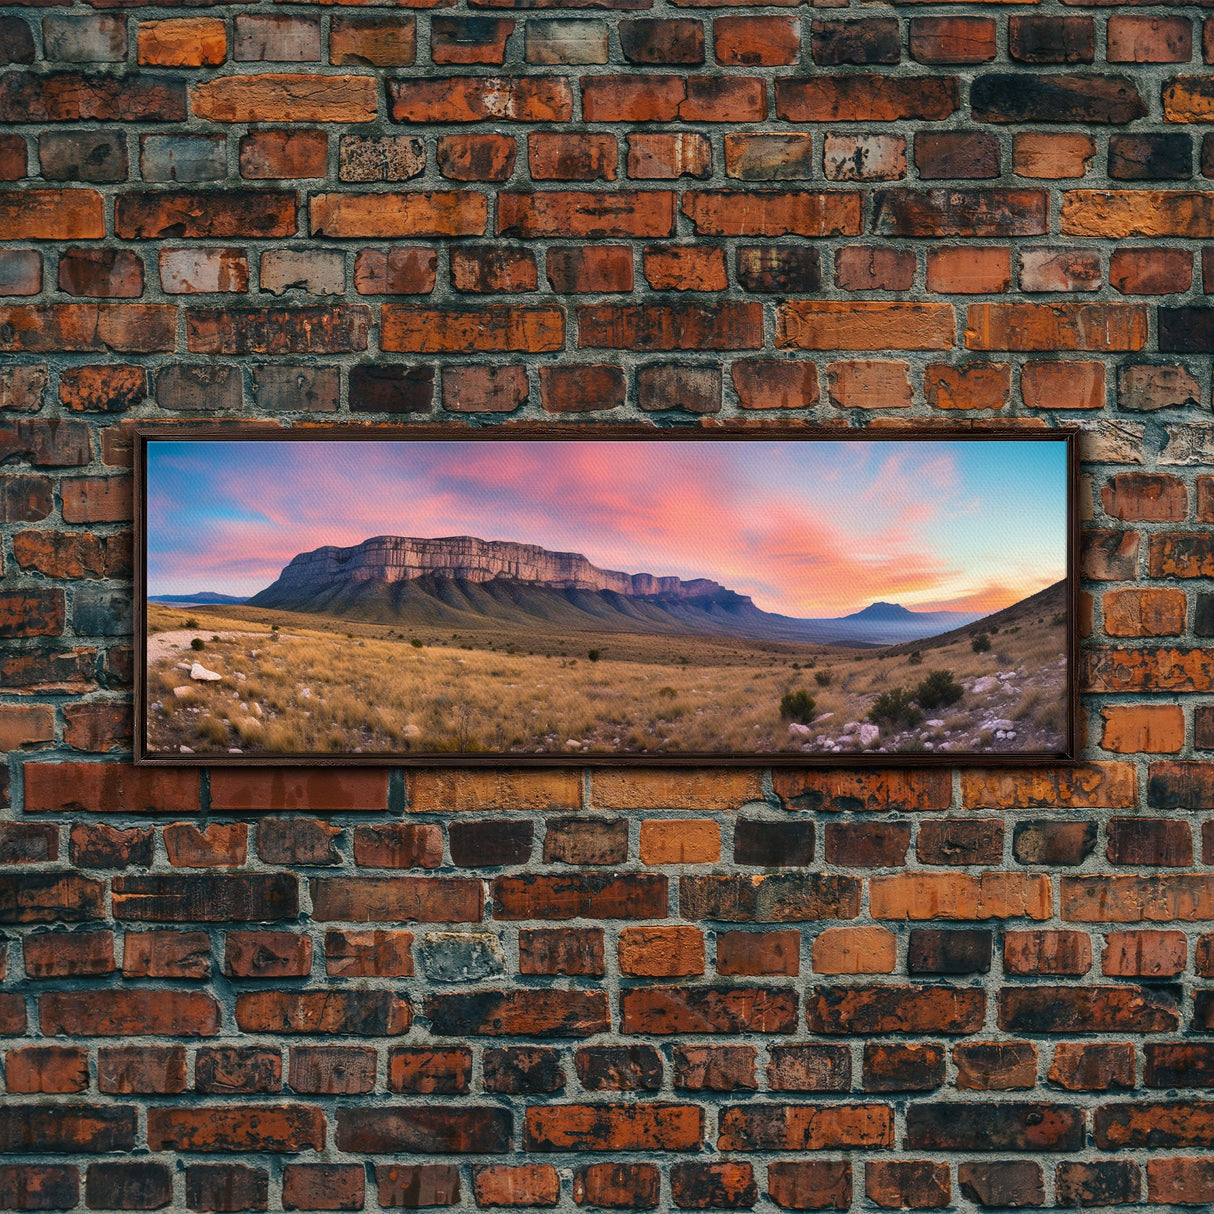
(811, 529)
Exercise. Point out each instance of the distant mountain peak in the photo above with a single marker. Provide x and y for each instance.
(882, 611)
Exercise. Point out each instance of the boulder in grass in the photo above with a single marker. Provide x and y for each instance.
(202, 674)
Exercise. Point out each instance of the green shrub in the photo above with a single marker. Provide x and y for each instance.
(416, 643)
(823, 677)
(916, 658)
(797, 706)
(980, 643)
(939, 690)
(595, 654)
(198, 643)
(895, 708)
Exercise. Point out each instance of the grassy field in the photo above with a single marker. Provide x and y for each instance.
(296, 683)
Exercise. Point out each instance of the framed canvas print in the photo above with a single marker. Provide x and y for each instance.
(540, 597)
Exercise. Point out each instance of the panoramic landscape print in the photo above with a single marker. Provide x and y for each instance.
(583, 598)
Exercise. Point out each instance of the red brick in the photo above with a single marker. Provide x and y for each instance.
(239, 790)
(166, 954)
(971, 386)
(480, 98)
(101, 273)
(1151, 271)
(775, 385)
(590, 270)
(318, 1186)
(515, 1013)
(61, 954)
(969, 270)
(109, 787)
(248, 1127)
(430, 1071)
(575, 951)
(566, 213)
(284, 154)
(995, 1066)
(476, 157)
(581, 388)
(365, 954)
(772, 213)
(414, 1185)
(128, 1013)
(182, 42)
(865, 97)
(810, 1185)
(900, 1184)
(105, 327)
(667, 156)
(500, 327)
(753, 954)
(865, 325)
(894, 1009)
(620, 1186)
(613, 1127)
(685, 268)
(1179, 1181)
(809, 1068)
(869, 383)
(152, 1070)
(952, 39)
(49, 1069)
(1135, 613)
(399, 270)
(678, 326)
(756, 41)
(493, 268)
(874, 268)
(1143, 728)
(500, 1185)
(660, 952)
(557, 156)
(725, 1185)
(804, 1127)
(265, 954)
(469, 40)
(332, 1070)
(1149, 39)
(204, 214)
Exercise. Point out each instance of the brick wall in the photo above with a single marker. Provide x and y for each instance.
(367, 989)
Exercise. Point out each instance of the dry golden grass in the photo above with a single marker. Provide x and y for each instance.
(328, 686)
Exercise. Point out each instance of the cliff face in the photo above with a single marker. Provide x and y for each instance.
(396, 558)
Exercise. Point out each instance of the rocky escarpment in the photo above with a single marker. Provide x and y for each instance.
(395, 558)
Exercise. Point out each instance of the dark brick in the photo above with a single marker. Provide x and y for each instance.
(773, 844)
(1100, 1182)
(1186, 330)
(522, 1070)
(1150, 157)
(130, 1185)
(779, 269)
(1004, 97)
(959, 951)
(903, 1068)
(226, 1187)
(1052, 39)
(841, 42)
(619, 1068)
(490, 843)
(1006, 1184)
(1002, 1126)
(391, 388)
(1053, 842)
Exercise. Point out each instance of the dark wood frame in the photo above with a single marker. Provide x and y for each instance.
(241, 431)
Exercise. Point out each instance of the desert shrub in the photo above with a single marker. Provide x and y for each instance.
(595, 654)
(198, 643)
(667, 693)
(916, 658)
(938, 690)
(416, 643)
(1058, 619)
(191, 622)
(980, 643)
(895, 708)
(823, 677)
(797, 706)
(273, 627)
